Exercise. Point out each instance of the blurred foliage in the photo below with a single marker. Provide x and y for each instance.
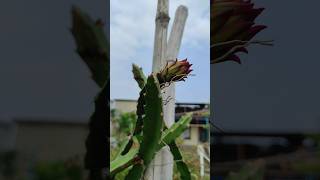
(113, 154)
(189, 156)
(308, 165)
(125, 121)
(59, 170)
(113, 113)
(7, 164)
(315, 138)
(192, 160)
(251, 171)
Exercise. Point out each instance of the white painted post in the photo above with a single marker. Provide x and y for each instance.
(161, 167)
(201, 166)
(172, 53)
(202, 156)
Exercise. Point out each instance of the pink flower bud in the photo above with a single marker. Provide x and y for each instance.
(173, 72)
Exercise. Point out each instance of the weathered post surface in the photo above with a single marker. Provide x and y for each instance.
(160, 37)
(162, 166)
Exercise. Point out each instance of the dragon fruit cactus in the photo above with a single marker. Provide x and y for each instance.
(150, 133)
(232, 28)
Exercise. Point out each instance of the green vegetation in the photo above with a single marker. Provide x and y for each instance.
(150, 134)
(68, 170)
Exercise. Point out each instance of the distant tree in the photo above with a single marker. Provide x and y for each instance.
(126, 122)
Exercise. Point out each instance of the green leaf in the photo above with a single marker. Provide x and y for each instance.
(123, 146)
(92, 45)
(123, 161)
(181, 166)
(169, 135)
(136, 172)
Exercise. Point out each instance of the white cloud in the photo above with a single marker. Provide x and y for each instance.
(132, 35)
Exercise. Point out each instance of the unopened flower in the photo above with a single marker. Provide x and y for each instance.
(173, 72)
(232, 28)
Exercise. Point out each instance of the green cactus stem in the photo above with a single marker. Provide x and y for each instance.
(93, 48)
(124, 161)
(169, 135)
(152, 126)
(181, 165)
(138, 75)
(141, 80)
(92, 45)
(149, 130)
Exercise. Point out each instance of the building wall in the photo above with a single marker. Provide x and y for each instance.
(125, 105)
(46, 142)
(195, 134)
(193, 137)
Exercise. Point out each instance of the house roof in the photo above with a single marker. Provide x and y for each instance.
(198, 116)
(129, 100)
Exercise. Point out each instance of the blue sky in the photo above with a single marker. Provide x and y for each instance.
(132, 34)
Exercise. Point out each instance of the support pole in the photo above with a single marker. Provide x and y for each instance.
(160, 37)
(161, 167)
(159, 59)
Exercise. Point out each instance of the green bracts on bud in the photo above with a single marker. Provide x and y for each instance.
(138, 75)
